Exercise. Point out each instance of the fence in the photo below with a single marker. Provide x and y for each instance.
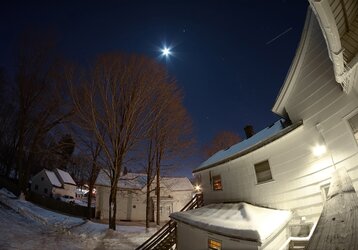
(59, 206)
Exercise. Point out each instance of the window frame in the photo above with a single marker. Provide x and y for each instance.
(264, 181)
(217, 177)
(324, 191)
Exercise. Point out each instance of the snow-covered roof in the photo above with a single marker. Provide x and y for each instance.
(236, 220)
(138, 181)
(132, 181)
(53, 178)
(261, 138)
(66, 177)
(177, 183)
(128, 181)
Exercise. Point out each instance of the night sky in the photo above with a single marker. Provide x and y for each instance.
(229, 57)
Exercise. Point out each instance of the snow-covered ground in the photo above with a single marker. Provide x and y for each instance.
(24, 225)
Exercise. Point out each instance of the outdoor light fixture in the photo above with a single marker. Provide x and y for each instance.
(197, 188)
(319, 150)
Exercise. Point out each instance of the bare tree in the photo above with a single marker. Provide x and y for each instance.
(7, 127)
(169, 134)
(174, 138)
(222, 140)
(111, 103)
(90, 159)
(40, 99)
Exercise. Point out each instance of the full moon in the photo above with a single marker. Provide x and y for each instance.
(166, 51)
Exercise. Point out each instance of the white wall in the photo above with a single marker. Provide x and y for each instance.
(298, 175)
(186, 235)
(42, 182)
(131, 204)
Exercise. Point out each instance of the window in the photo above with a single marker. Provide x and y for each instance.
(353, 122)
(300, 230)
(217, 185)
(42, 178)
(263, 172)
(214, 244)
(36, 187)
(324, 191)
(45, 190)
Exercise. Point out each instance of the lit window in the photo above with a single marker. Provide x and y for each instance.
(214, 244)
(217, 185)
(353, 121)
(263, 172)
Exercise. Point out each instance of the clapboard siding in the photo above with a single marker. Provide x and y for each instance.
(352, 9)
(349, 36)
(298, 176)
(344, 14)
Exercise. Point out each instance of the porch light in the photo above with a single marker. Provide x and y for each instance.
(319, 150)
(197, 188)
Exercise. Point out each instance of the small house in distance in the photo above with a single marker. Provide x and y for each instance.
(175, 193)
(54, 183)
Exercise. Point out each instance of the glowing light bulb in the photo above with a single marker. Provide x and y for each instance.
(319, 150)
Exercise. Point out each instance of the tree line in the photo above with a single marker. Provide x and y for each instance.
(121, 110)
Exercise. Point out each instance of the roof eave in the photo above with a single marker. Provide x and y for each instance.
(281, 99)
(253, 147)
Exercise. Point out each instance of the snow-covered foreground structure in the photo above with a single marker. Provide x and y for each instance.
(250, 225)
(96, 235)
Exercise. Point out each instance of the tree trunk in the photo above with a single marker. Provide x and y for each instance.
(89, 201)
(147, 208)
(159, 153)
(112, 206)
(158, 196)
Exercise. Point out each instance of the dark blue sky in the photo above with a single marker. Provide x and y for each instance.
(224, 61)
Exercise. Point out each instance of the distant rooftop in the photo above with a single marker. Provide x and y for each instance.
(258, 140)
(139, 180)
(53, 178)
(65, 176)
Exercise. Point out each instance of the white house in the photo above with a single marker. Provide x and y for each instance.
(175, 193)
(53, 183)
(288, 166)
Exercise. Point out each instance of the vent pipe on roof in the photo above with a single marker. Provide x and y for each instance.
(249, 131)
